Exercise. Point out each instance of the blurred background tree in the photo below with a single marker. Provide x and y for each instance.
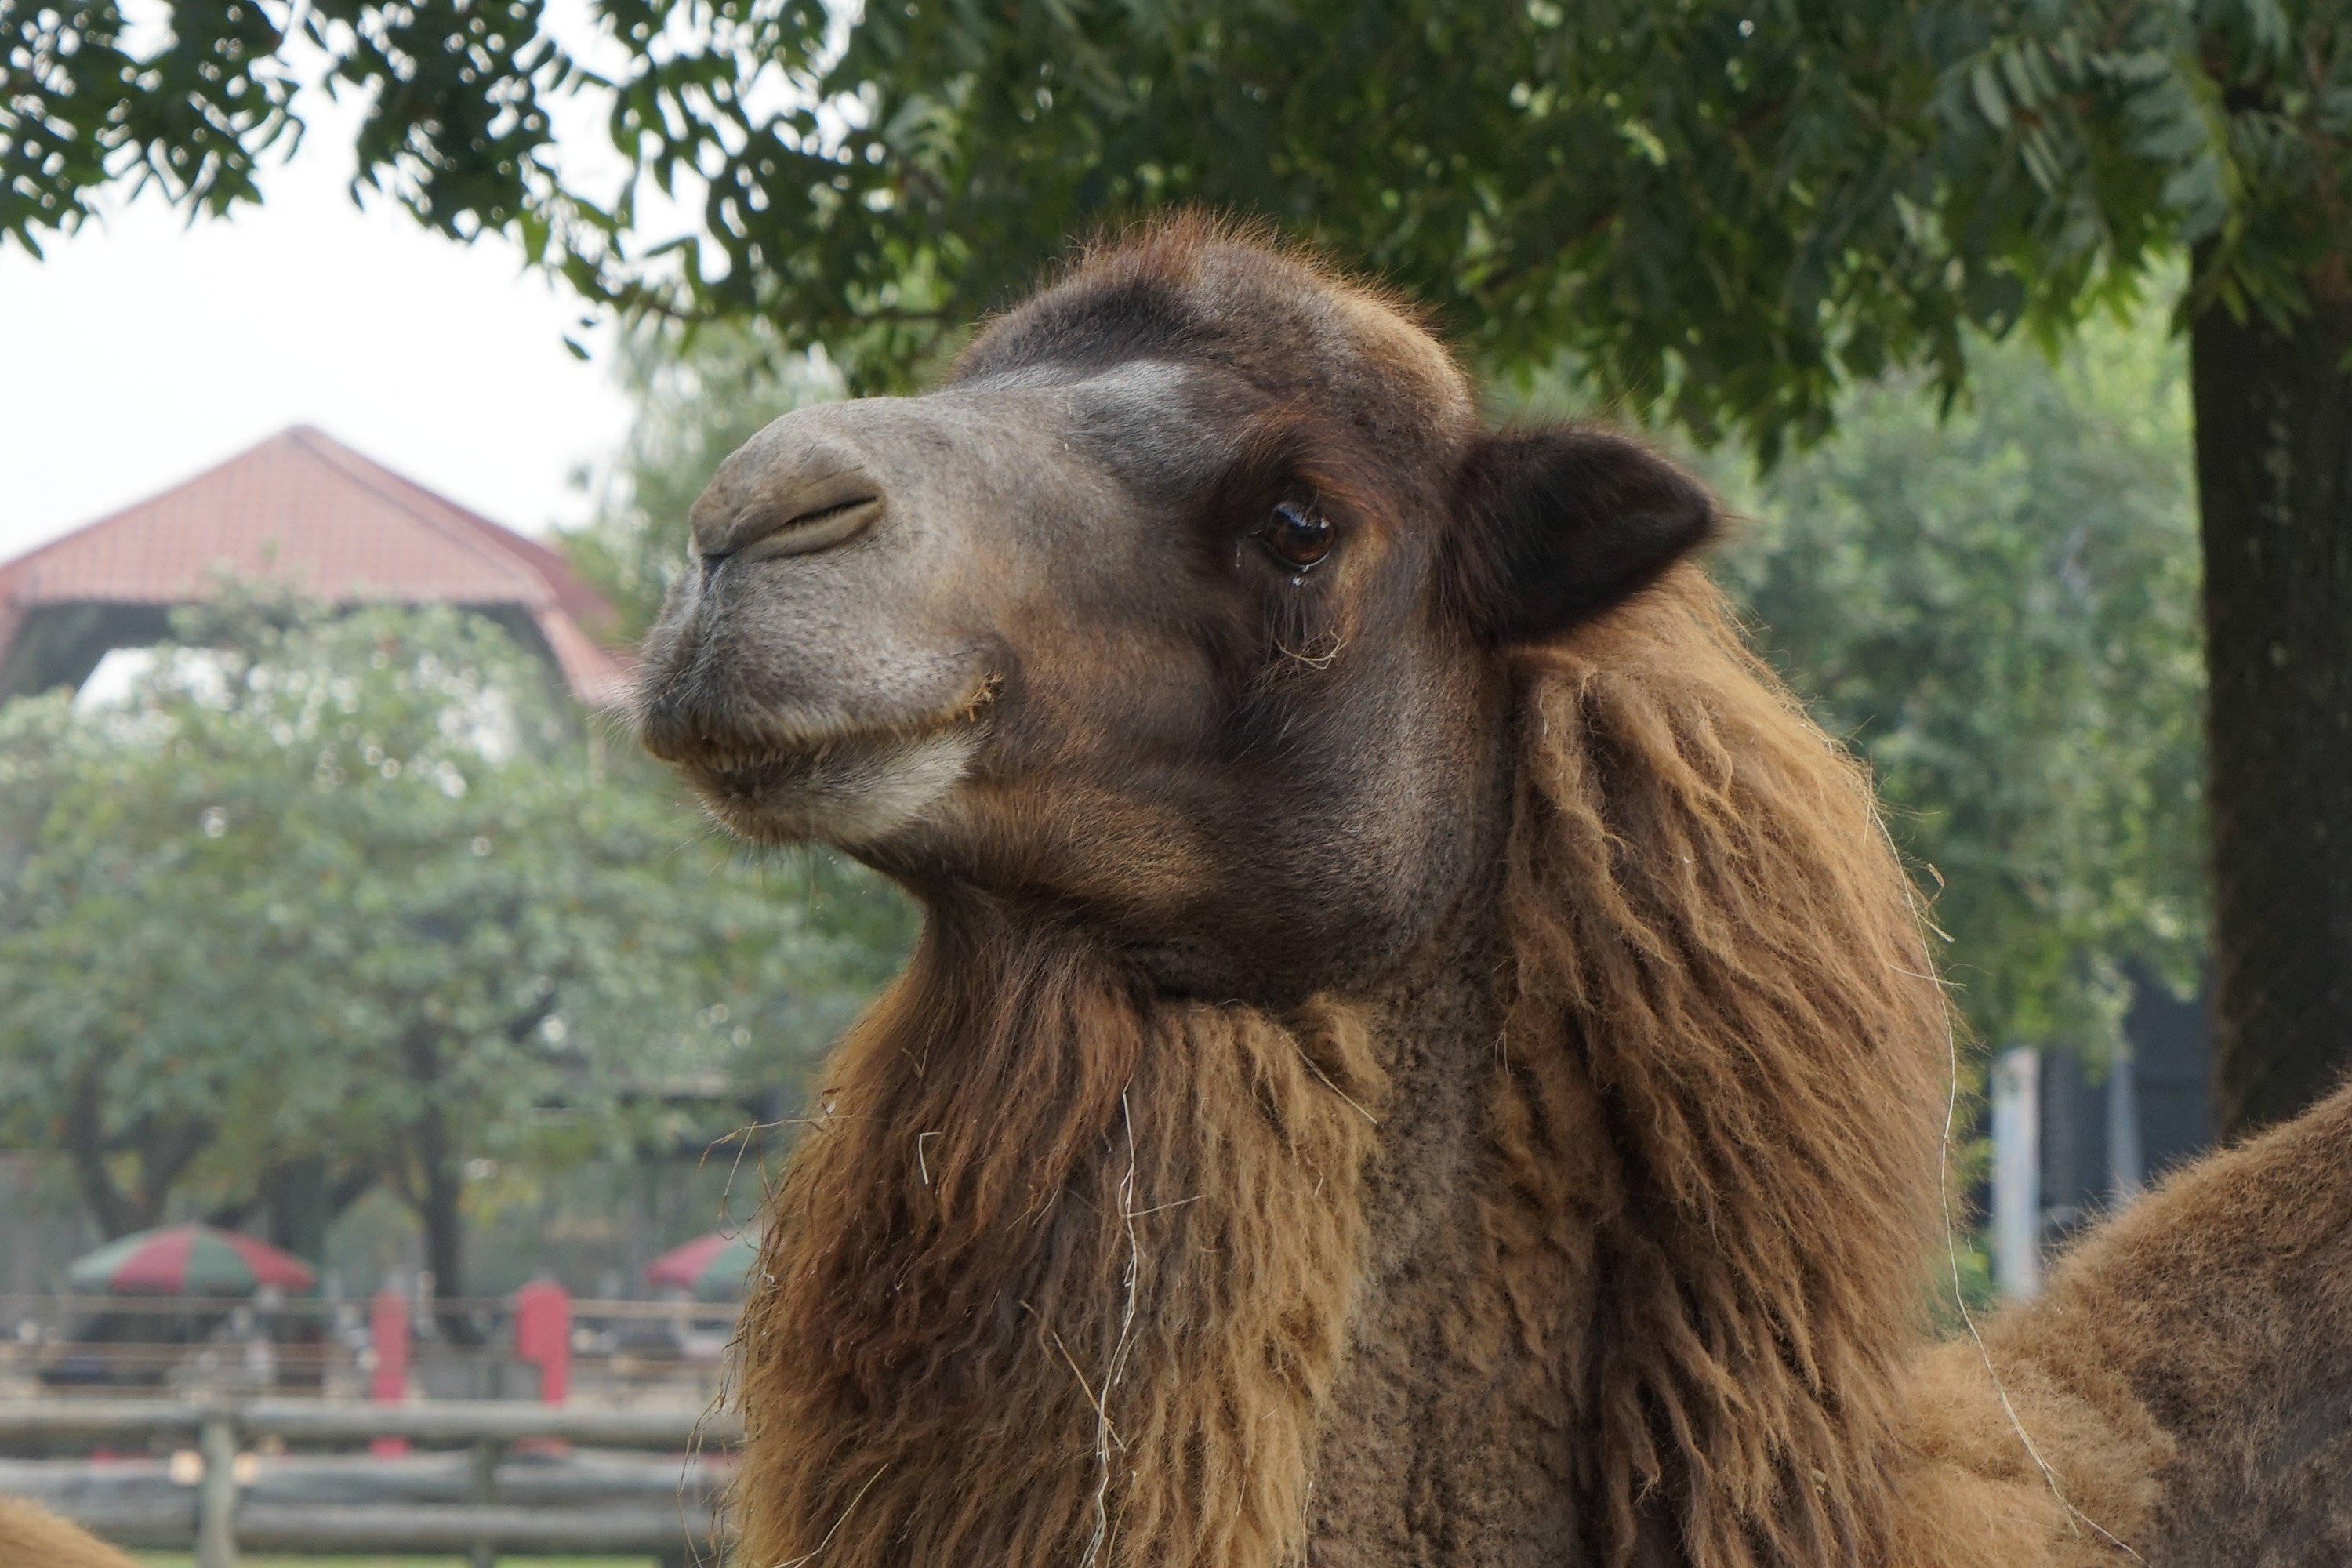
(1998, 608)
(329, 901)
(1726, 214)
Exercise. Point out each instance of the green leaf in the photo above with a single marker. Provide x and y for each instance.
(1990, 100)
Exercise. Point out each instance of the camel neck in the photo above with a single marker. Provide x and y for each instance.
(1434, 1032)
(1427, 1346)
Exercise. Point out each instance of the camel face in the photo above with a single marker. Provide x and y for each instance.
(1179, 611)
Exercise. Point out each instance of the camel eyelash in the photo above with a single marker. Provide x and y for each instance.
(1302, 628)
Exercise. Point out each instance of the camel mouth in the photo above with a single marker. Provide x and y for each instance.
(836, 784)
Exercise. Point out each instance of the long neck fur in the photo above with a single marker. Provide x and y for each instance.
(1062, 1277)
(1715, 1127)
(1066, 1272)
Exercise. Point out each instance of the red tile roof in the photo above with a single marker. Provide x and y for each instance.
(302, 506)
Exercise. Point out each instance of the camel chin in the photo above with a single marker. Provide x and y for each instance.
(853, 791)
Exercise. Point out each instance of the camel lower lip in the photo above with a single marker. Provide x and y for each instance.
(763, 771)
(765, 777)
(753, 772)
(850, 790)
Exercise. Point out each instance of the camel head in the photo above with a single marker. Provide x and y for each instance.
(1180, 613)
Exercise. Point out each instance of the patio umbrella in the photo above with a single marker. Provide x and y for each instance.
(188, 1260)
(708, 1266)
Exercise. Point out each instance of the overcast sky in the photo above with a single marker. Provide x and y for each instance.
(143, 351)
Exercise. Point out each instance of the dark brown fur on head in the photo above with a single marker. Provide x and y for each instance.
(1053, 659)
(1116, 1193)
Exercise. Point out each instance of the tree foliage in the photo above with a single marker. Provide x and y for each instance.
(355, 894)
(1999, 610)
(1724, 210)
(1721, 214)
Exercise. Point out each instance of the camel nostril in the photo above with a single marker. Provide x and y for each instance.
(821, 499)
(821, 529)
(760, 537)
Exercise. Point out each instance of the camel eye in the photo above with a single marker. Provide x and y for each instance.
(1297, 535)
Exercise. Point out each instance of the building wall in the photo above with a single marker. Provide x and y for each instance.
(2163, 1094)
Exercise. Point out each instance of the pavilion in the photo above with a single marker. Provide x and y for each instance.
(304, 510)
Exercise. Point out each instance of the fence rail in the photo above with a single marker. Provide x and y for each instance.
(669, 1351)
(44, 1309)
(682, 1527)
(447, 1421)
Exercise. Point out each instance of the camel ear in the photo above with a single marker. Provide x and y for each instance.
(1553, 526)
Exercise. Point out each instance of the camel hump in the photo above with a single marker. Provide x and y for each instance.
(2210, 1326)
(33, 1537)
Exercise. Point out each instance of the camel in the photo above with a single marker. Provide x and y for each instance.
(33, 1537)
(1420, 1052)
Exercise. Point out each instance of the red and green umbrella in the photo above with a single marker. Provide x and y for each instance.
(710, 1265)
(189, 1260)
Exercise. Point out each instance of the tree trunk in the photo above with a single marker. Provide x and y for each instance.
(440, 1183)
(2275, 483)
(444, 1231)
(162, 1152)
(86, 1147)
(300, 1206)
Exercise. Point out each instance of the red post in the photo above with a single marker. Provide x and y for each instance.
(388, 1383)
(543, 1334)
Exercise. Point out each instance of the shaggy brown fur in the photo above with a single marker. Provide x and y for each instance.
(1061, 1276)
(1722, 1045)
(2184, 1375)
(1421, 1053)
(33, 1537)
(1711, 1203)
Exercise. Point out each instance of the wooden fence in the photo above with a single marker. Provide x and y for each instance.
(190, 1347)
(685, 1526)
